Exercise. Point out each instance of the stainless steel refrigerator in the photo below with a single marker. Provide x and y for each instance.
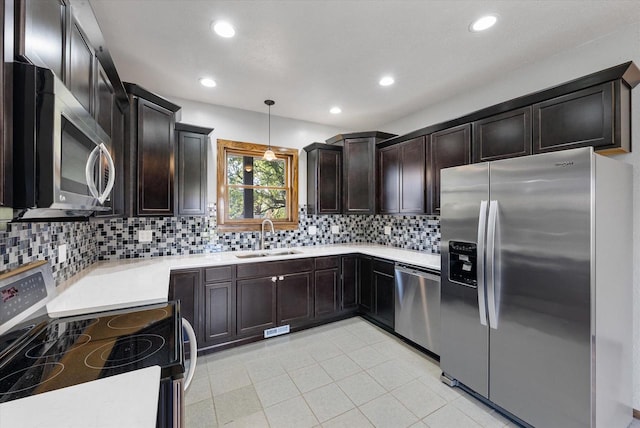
(536, 298)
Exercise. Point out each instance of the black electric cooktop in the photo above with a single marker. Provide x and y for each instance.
(70, 351)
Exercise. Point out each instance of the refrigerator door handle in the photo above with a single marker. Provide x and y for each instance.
(491, 283)
(482, 228)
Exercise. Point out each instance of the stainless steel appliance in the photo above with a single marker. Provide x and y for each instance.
(417, 306)
(62, 161)
(537, 288)
(40, 354)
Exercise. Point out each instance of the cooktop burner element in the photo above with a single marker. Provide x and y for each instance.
(137, 320)
(28, 378)
(123, 352)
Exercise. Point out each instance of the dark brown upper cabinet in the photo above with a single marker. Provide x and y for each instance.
(324, 178)
(447, 148)
(104, 101)
(149, 169)
(597, 117)
(502, 136)
(401, 176)
(80, 70)
(37, 21)
(358, 165)
(6, 121)
(191, 169)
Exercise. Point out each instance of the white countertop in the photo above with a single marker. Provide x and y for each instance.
(126, 400)
(124, 283)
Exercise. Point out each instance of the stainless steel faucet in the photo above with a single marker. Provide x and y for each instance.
(266, 220)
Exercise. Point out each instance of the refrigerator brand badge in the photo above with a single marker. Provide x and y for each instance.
(564, 164)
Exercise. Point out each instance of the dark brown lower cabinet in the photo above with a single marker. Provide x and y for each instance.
(349, 286)
(295, 299)
(219, 314)
(326, 292)
(184, 285)
(365, 296)
(256, 305)
(383, 287)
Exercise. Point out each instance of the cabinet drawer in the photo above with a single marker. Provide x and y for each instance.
(383, 266)
(327, 262)
(218, 273)
(274, 268)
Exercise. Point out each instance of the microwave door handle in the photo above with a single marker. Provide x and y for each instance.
(88, 171)
(482, 228)
(112, 174)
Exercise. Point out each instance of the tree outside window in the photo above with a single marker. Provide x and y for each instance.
(251, 189)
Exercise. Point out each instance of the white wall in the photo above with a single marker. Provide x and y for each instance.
(251, 127)
(614, 49)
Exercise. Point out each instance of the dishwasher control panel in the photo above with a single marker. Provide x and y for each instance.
(463, 257)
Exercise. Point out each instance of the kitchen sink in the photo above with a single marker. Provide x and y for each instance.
(267, 254)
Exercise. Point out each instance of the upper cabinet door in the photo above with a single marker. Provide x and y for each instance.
(80, 79)
(191, 176)
(155, 159)
(104, 101)
(450, 147)
(590, 117)
(359, 177)
(505, 135)
(40, 33)
(389, 179)
(412, 176)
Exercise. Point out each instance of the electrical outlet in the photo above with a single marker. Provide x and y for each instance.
(313, 230)
(335, 230)
(62, 253)
(145, 235)
(387, 230)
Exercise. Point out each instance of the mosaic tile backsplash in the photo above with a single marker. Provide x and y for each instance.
(26, 242)
(117, 238)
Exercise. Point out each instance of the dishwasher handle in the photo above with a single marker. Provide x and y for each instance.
(415, 271)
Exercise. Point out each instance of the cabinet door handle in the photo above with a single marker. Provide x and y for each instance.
(281, 278)
(274, 279)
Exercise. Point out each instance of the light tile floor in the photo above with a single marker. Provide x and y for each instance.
(347, 374)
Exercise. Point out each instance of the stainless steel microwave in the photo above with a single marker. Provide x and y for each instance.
(62, 164)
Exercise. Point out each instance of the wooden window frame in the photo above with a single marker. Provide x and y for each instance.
(250, 149)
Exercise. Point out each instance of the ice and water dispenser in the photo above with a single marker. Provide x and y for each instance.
(463, 258)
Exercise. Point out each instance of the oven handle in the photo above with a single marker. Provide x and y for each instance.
(88, 172)
(193, 351)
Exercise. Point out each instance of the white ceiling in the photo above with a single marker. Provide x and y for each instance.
(309, 55)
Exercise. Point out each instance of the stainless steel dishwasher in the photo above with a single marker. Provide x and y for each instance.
(417, 314)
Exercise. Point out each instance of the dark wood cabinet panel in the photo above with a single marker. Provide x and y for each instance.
(104, 101)
(37, 21)
(80, 77)
(326, 292)
(502, 136)
(184, 285)
(365, 288)
(218, 273)
(324, 179)
(256, 305)
(191, 176)
(389, 179)
(155, 145)
(6, 120)
(412, 176)
(219, 312)
(349, 298)
(295, 298)
(248, 270)
(589, 117)
(447, 148)
(359, 177)
(383, 285)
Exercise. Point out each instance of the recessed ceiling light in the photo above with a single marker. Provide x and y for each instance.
(335, 110)
(386, 81)
(223, 29)
(207, 82)
(483, 23)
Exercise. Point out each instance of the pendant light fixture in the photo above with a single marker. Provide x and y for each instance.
(269, 155)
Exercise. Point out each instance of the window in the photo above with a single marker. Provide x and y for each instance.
(251, 189)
